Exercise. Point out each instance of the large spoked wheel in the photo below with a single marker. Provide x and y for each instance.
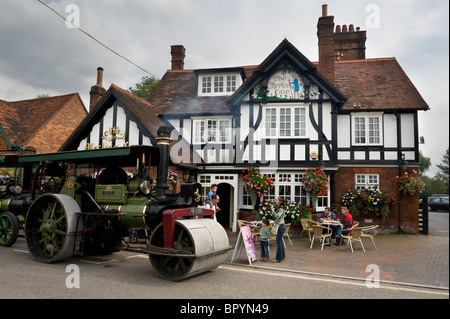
(9, 229)
(172, 267)
(50, 227)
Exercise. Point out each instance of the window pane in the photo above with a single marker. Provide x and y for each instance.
(271, 122)
(199, 131)
(212, 131)
(218, 83)
(374, 130)
(231, 83)
(224, 128)
(285, 122)
(360, 130)
(206, 84)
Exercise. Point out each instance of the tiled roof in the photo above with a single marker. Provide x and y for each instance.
(141, 108)
(376, 84)
(176, 93)
(379, 84)
(21, 120)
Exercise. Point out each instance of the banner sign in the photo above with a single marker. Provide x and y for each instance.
(245, 239)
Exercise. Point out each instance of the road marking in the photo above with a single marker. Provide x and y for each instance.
(22, 251)
(279, 273)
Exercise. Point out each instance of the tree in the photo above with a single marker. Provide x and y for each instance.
(145, 88)
(425, 163)
(444, 167)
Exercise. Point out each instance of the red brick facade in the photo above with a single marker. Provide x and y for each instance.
(406, 208)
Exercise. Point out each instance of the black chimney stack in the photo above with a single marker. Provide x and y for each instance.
(163, 140)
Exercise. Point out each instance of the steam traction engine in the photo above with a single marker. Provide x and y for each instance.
(78, 214)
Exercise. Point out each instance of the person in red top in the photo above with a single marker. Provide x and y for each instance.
(347, 222)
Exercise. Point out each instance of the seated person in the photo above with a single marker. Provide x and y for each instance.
(347, 223)
(329, 215)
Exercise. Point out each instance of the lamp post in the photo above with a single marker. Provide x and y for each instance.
(403, 167)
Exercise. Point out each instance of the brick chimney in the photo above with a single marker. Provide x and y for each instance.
(97, 91)
(349, 44)
(325, 33)
(178, 53)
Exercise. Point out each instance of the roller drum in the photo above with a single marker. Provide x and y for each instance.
(205, 238)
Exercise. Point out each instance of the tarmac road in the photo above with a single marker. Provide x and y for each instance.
(438, 223)
(126, 275)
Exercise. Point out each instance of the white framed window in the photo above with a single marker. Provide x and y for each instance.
(231, 83)
(367, 181)
(285, 121)
(288, 185)
(206, 84)
(218, 84)
(211, 131)
(367, 129)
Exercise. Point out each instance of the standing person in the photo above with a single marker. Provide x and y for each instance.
(347, 223)
(215, 200)
(264, 240)
(213, 191)
(279, 220)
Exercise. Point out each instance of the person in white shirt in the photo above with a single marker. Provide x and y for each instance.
(215, 201)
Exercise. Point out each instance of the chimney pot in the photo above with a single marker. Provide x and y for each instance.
(100, 76)
(344, 28)
(97, 91)
(338, 29)
(325, 10)
(351, 28)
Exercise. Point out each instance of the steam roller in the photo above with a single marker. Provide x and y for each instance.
(188, 242)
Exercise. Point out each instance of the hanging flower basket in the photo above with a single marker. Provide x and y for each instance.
(315, 182)
(410, 183)
(256, 184)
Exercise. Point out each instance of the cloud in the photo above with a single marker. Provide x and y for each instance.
(40, 55)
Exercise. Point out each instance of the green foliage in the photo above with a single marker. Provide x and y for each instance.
(145, 88)
(294, 211)
(368, 200)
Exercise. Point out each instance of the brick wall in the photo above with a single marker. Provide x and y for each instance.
(406, 208)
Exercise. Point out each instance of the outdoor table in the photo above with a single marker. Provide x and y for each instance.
(327, 225)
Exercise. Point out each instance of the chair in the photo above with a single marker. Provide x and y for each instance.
(306, 227)
(354, 235)
(286, 234)
(370, 232)
(317, 232)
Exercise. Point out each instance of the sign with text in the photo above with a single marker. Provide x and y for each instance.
(245, 239)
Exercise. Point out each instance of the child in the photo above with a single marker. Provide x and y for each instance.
(208, 199)
(264, 240)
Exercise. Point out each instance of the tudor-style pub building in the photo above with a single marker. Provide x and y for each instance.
(355, 116)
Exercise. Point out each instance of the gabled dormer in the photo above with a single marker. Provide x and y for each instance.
(219, 82)
(286, 75)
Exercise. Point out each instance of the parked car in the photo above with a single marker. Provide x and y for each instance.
(438, 203)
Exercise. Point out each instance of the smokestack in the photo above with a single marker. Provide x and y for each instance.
(97, 91)
(178, 53)
(325, 33)
(163, 141)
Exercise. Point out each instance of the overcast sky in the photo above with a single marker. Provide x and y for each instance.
(40, 54)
